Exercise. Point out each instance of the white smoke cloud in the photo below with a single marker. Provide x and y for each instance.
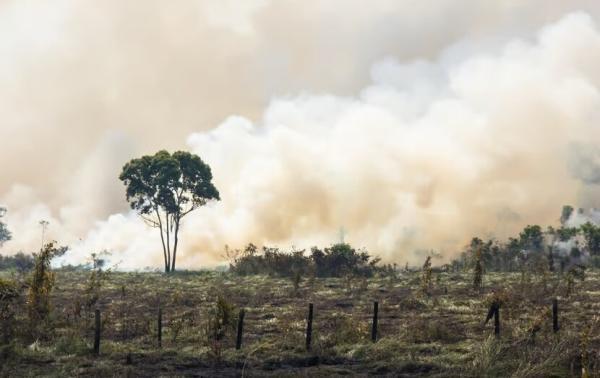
(434, 148)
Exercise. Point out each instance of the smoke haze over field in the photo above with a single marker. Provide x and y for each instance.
(414, 125)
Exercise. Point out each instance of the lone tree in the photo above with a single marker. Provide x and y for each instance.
(164, 188)
(5, 234)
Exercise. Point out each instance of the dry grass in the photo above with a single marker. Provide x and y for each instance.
(440, 334)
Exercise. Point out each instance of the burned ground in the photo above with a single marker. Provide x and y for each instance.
(440, 334)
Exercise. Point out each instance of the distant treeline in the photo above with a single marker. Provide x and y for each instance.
(19, 262)
(533, 249)
(24, 262)
(537, 249)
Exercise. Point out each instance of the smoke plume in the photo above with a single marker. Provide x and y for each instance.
(412, 126)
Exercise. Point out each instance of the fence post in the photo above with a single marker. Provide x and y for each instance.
(309, 326)
(555, 315)
(240, 330)
(375, 320)
(497, 322)
(159, 326)
(97, 334)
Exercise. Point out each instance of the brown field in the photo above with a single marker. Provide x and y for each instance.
(441, 334)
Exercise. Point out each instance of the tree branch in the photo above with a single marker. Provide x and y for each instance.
(151, 222)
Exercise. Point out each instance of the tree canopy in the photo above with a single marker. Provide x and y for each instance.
(163, 188)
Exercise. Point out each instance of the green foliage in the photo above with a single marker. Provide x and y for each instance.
(532, 238)
(565, 214)
(591, 235)
(339, 260)
(566, 233)
(271, 261)
(5, 234)
(165, 187)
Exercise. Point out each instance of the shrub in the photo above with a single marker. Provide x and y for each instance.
(272, 261)
(219, 326)
(9, 294)
(41, 284)
(42, 281)
(95, 281)
(341, 259)
(336, 261)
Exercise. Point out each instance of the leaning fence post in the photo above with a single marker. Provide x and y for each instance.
(97, 333)
(555, 315)
(309, 326)
(497, 322)
(159, 326)
(494, 312)
(375, 320)
(240, 330)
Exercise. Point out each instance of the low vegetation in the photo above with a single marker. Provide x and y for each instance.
(339, 260)
(437, 333)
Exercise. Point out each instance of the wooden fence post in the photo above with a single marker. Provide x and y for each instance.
(240, 330)
(494, 312)
(159, 326)
(497, 321)
(97, 333)
(555, 315)
(309, 326)
(375, 321)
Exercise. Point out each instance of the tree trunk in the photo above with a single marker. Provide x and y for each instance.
(176, 237)
(168, 231)
(162, 239)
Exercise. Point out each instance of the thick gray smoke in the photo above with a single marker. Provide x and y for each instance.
(412, 125)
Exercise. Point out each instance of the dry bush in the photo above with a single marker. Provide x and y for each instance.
(40, 287)
(10, 293)
(95, 281)
(426, 277)
(219, 327)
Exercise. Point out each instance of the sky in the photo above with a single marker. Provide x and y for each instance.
(414, 125)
